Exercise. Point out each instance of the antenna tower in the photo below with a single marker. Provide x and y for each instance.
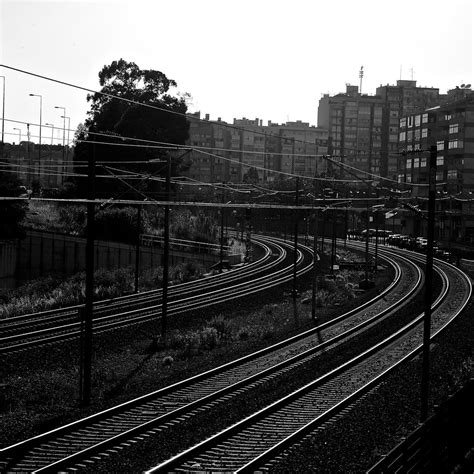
(361, 75)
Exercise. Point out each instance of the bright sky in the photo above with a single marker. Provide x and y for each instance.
(266, 59)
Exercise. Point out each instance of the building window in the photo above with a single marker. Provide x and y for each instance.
(423, 162)
(454, 128)
(439, 160)
(410, 122)
(440, 145)
(402, 136)
(408, 178)
(424, 133)
(400, 178)
(409, 164)
(424, 118)
(439, 176)
(416, 163)
(447, 116)
(452, 174)
(417, 120)
(403, 122)
(455, 144)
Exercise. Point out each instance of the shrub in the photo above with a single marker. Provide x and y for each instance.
(222, 325)
(209, 338)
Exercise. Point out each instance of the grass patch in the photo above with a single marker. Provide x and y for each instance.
(56, 292)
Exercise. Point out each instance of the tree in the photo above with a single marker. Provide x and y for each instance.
(251, 177)
(161, 119)
(12, 212)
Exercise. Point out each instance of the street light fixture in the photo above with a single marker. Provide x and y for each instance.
(52, 131)
(39, 147)
(64, 130)
(3, 116)
(19, 140)
(68, 128)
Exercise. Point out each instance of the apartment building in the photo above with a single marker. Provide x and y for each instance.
(247, 144)
(48, 166)
(449, 126)
(354, 123)
(399, 100)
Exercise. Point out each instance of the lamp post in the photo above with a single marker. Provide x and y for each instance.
(39, 147)
(19, 141)
(64, 129)
(3, 116)
(52, 131)
(68, 128)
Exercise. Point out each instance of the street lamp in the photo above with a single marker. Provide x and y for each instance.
(68, 128)
(19, 140)
(3, 116)
(52, 131)
(39, 148)
(64, 130)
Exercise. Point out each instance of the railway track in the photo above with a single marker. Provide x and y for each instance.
(87, 440)
(258, 441)
(272, 269)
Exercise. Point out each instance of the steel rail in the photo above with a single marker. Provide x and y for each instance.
(250, 444)
(262, 264)
(46, 335)
(178, 412)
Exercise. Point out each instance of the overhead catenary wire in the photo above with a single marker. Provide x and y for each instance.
(130, 101)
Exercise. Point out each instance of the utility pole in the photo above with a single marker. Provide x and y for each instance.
(28, 155)
(221, 256)
(88, 307)
(166, 251)
(295, 258)
(295, 253)
(333, 242)
(367, 221)
(428, 285)
(137, 247)
(315, 255)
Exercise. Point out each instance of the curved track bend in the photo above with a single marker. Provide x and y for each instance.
(272, 269)
(259, 440)
(86, 440)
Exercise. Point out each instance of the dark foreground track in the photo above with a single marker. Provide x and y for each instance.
(85, 441)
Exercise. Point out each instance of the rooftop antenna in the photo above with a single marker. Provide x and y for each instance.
(411, 70)
(361, 75)
(400, 72)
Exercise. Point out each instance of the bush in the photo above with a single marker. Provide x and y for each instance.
(222, 325)
(117, 224)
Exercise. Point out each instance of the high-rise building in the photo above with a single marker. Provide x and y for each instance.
(399, 100)
(449, 126)
(355, 131)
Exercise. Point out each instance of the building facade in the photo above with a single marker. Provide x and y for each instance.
(450, 127)
(45, 167)
(354, 131)
(399, 100)
(249, 150)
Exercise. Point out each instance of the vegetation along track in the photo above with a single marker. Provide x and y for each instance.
(259, 440)
(273, 268)
(102, 434)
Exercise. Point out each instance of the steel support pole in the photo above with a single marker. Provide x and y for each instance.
(89, 290)
(137, 247)
(166, 252)
(315, 255)
(428, 286)
(295, 246)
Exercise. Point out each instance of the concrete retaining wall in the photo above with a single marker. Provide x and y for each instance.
(42, 253)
